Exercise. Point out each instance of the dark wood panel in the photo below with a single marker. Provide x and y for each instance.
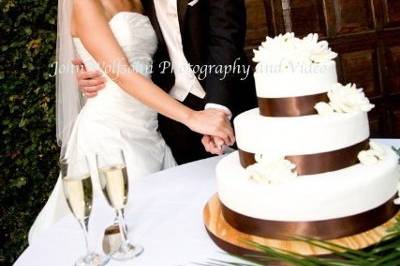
(256, 22)
(352, 16)
(391, 12)
(256, 25)
(393, 69)
(360, 68)
(304, 16)
(377, 121)
(395, 122)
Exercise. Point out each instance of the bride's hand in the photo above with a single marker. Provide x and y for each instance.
(212, 122)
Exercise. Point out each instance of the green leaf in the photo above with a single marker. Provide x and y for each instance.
(28, 150)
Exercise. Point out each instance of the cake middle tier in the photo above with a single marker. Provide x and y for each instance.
(299, 135)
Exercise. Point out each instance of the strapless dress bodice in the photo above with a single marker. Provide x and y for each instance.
(137, 38)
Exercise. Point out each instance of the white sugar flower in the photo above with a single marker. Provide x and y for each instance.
(288, 48)
(378, 149)
(319, 51)
(374, 155)
(275, 49)
(368, 157)
(268, 158)
(322, 56)
(324, 108)
(311, 39)
(271, 169)
(348, 99)
(344, 99)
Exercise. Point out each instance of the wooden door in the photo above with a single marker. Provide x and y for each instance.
(365, 33)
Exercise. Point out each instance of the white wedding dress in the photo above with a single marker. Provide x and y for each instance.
(114, 119)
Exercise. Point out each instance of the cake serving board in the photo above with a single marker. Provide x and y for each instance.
(235, 242)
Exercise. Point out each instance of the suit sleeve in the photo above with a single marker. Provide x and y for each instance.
(227, 29)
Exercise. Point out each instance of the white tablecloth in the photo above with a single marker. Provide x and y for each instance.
(165, 217)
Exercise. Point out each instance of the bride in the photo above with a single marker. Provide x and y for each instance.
(114, 37)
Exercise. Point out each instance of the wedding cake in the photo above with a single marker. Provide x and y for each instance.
(305, 165)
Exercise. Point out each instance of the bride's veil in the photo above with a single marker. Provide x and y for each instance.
(68, 98)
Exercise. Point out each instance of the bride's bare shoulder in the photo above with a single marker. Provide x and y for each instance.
(88, 9)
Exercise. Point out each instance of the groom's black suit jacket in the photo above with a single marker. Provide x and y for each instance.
(213, 33)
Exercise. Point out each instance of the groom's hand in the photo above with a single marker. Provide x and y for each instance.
(89, 82)
(214, 145)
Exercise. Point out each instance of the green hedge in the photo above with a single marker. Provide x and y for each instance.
(29, 153)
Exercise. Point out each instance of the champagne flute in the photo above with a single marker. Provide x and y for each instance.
(114, 182)
(78, 192)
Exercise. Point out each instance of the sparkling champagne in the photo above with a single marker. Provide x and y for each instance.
(79, 195)
(114, 183)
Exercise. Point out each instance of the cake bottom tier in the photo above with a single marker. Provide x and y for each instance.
(324, 206)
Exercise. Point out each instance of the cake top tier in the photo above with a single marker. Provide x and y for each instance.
(290, 49)
(293, 67)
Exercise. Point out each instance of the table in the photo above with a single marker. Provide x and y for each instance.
(165, 217)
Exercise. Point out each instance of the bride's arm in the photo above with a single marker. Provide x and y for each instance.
(93, 29)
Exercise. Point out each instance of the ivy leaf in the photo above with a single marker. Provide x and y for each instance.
(29, 152)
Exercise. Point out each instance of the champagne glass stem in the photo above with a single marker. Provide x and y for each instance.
(122, 227)
(116, 219)
(84, 225)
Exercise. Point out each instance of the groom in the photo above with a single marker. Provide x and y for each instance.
(200, 61)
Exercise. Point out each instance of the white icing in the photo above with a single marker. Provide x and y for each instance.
(330, 195)
(299, 135)
(299, 80)
(345, 99)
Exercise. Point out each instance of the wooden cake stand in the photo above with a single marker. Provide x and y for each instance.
(235, 242)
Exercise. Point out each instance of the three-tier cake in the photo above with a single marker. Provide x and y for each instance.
(306, 165)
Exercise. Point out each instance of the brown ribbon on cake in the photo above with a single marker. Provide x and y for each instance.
(324, 230)
(317, 163)
(291, 106)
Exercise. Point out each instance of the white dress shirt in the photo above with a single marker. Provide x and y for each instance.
(186, 81)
